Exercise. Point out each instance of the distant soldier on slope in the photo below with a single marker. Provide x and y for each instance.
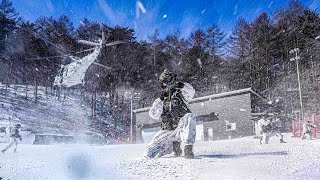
(13, 132)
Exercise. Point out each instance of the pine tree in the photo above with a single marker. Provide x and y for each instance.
(8, 22)
(216, 41)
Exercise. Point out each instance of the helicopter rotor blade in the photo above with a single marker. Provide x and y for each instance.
(114, 43)
(89, 43)
(101, 65)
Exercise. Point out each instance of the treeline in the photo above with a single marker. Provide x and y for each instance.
(261, 56)
(255, 55)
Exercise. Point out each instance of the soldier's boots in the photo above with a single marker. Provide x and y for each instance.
(188, 152)
(282, 141)
(3, 151)
(177, 151)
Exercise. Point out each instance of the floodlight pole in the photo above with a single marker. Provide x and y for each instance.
(296, 50)
(299, 84)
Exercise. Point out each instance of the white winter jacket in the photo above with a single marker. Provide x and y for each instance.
(307, 127)
(12, 131)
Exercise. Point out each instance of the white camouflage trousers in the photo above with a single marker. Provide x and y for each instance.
(162, 142)
(266, 136)
(306, 135)
(13, 141)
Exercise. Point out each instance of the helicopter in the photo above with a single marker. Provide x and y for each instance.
(73, 68)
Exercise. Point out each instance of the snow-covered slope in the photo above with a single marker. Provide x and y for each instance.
(49, 115)
(242, 158)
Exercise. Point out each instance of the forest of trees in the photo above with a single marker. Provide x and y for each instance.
(255, 55)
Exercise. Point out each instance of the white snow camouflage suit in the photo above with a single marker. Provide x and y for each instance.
(268, 130)
(272, 125)
(184, 131)
(306, 130)
(13, 132)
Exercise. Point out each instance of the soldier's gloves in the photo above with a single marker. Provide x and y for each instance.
(20, 138)
(163, 95)
(178, 85)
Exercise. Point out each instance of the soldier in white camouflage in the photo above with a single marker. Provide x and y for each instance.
(307, 130)
(14, 133)
(271, 124)
(177, 122)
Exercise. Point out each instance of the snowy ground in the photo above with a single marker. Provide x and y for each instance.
(226, 159)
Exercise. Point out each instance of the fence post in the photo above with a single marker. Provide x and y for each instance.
(293, 129)
(317, 117)
(299, 127)
(318, 121)
(313, 119)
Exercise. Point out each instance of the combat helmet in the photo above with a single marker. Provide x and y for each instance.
(167, 77)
